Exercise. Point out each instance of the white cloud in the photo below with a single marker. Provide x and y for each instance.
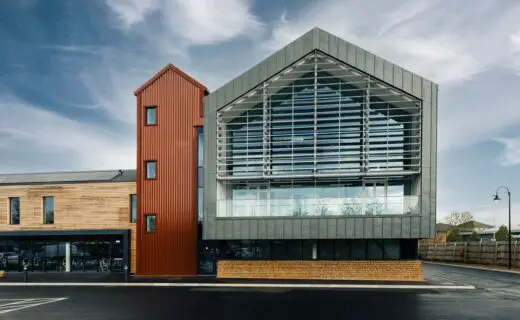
(195, 21)
(29, 133)
(510, 155)
(431, 38)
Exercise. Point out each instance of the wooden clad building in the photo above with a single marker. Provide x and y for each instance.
(90, 214)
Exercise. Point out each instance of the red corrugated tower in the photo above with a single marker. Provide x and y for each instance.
(172, 196)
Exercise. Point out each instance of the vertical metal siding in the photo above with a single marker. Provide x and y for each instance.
(172, 249)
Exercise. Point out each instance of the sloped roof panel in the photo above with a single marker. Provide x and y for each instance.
(68, 177)
(317, 39)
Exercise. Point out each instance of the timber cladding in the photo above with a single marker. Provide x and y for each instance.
(375, 270)
(77, 206)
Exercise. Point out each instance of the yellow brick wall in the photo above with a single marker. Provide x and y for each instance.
(388, 270)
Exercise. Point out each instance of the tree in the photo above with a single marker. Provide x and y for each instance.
(501, 234)
(474, 237)
(458, 218)
(454, 236)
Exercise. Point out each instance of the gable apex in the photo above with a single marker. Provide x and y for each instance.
(170, 67)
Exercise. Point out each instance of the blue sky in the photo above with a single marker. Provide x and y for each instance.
(68, 70)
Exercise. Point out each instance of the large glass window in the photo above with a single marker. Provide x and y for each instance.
(317, 198)
(151, 167)
(48, 210)
(133, 208)
(14, 210)
(319, 117)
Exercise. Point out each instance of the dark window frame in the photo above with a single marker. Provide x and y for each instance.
(133, 217)
(146, 222)
(146, 109)
(45, 211)
(11, 211)
(146, 169)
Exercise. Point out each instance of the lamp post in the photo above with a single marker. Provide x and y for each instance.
(496, 198)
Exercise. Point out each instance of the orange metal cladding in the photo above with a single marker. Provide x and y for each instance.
(172, 196)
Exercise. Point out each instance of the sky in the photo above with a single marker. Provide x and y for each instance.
(68, 70)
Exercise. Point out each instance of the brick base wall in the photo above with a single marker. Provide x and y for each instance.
(388, 270)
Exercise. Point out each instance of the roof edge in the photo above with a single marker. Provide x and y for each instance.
(173, 68)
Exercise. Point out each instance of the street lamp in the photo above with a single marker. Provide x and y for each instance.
(496, 198)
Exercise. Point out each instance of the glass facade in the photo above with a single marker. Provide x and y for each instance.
(14, 210)
(318, 198)
(200, 173)
(381, 249)
(88, 253)
(48, 210)
(319, 139)
(133, 208)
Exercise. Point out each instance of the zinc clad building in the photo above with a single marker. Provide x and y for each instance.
(321, 151)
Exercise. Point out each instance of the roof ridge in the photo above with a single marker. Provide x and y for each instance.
(173, 68)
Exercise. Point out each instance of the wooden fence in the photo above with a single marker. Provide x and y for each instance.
(493, 253)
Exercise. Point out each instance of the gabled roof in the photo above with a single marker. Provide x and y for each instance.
(68, 177)
(443, 227)
(173, 68)
(345, 52)
(473, 224)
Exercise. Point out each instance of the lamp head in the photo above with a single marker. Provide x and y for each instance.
(496, 198)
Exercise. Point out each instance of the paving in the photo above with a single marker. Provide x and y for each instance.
(497, 296)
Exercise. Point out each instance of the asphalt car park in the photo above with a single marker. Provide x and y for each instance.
(496, 295)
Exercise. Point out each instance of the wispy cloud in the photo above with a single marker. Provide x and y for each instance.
(510, 155)
(29, 134)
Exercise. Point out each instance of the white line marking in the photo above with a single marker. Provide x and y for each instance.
(31, 303)
(472, 267)
(238, 285)
(448, 279)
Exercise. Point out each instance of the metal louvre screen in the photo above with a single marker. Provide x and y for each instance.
(318, 118)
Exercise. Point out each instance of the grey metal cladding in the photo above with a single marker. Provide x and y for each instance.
(417, 86)
(253, 229)
(396, 227)
(271, 229)
(407, 81)
(341, 229)
(378, 228)
(322, 233)
(333, 46)
(323, 41)
(331, 229)
(370, 64)
(368, 228)
(425, 226)
(398, 77)
(358, 228)
(306, 229)
(245, 233)
(405, 227)
(328, 43)
(387, 227)
(287, 229)
(350, 226)
(280, 60)
(297, 232)
(314, 234)
(262, 229)
(379, 67)
(228, 229)
(360, 59)
(388, 71)
(237, 229)
(278, 234)
(415, 227)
